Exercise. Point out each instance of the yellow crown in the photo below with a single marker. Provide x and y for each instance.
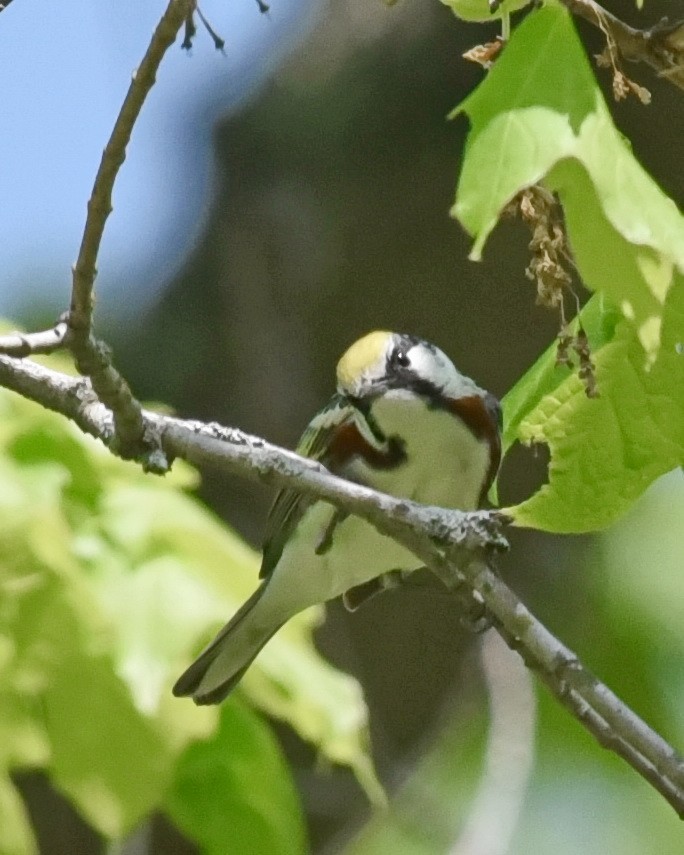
(360, 357)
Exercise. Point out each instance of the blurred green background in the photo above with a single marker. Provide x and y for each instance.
(327, 216)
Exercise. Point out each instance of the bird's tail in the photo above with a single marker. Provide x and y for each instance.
(222, 664)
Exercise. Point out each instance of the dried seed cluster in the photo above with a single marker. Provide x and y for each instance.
(550, 269)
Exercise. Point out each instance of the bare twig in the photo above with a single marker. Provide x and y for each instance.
(28, 344)
(219, 43)
(73, 397)
(100, 204)
(453, 544)
(91, 356)
(661, 47)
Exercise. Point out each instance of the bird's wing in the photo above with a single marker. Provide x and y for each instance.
(325, 439)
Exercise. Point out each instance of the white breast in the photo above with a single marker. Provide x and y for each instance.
(446, 465)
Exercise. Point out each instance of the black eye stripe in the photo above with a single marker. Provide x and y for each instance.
(399, 358)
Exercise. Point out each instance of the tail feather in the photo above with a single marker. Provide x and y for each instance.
(209, 680)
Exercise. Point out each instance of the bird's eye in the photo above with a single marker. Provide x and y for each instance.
(400, 357)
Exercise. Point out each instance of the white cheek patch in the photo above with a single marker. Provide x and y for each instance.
(433, 365)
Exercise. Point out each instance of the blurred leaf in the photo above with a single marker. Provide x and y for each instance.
(643, 579)
(43, 443)
(424, 816)
(110, 579)
(539, 114)
(23, 741)
(106, 757)
(183, 600)
(71, 713)
(16, 837)
(643, 555)
(233, 792)
(157, 610)
(625, 623)
(294, 684)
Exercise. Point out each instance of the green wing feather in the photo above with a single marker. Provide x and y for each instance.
(289, 505)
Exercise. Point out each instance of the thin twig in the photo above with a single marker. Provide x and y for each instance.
(660, 47)
(100, 203)
(92, 357)
(452, 544)
(28, 344)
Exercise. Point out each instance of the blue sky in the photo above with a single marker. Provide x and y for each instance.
(65, 69)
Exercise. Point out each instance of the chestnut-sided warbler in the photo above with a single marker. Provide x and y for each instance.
(404, 421)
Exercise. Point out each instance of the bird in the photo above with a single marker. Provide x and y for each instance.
(403, 421)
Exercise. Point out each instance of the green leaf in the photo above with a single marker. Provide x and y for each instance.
(598, 319)
(62, 704)
(23, 741)
(651, 534)
(233, 793)
(539, 115)
(16, 837)
(478, 10)
(539, 108)
(181, 601)
(110, 760)
(44, 441)
(325, 706)
(165, 574)
(110, 580)
(605, 451)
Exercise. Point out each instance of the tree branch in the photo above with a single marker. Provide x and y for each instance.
(453, 544)
(612, 722)
(661, 47)
(92, 357)
(27, 344)
(100, 203)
